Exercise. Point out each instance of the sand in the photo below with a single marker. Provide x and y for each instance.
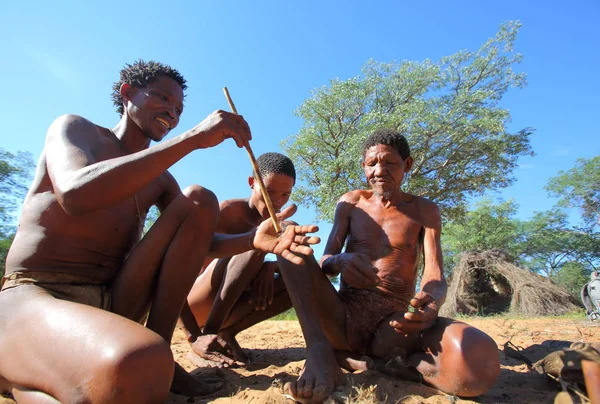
(277, 351)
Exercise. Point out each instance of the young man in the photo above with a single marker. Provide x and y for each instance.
(78, 275)
(234, 293)
(386, 232)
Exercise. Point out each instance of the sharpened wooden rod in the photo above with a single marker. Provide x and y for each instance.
(257, 176)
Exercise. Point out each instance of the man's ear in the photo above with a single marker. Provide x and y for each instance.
(126, 91)
(251, 182)
(408, 163)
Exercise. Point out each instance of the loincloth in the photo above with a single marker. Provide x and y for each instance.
(365, 309)
(74, 288)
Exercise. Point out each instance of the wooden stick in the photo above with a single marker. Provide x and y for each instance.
(257, 176)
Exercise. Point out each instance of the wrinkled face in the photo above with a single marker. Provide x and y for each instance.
(385, 169)
(156, 108)
(279, 187)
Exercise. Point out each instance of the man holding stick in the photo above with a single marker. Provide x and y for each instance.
(79, 275)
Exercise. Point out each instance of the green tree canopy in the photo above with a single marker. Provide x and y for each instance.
(579, 187)
(546, 244)
(488, 226)
(448, 110)
(15, 173)
(551, 243)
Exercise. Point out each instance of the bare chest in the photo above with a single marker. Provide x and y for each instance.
(384, 232)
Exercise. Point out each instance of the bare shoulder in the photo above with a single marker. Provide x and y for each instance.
(430, 211)
(354, 197)
(74, 129)
(233, 206)
(70, 122)
(234, 212)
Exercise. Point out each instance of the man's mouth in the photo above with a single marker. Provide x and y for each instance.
(164, 123)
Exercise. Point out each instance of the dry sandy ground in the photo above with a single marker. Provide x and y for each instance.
(277, 352)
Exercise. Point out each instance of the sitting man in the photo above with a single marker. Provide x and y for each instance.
(79, 275)
(232, 294)
(376, 320)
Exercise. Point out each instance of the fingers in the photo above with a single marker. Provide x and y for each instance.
(420, 300)
(289, 211)
(301, 239)
(367, 262)
(424, 314)
(370, 276)
(308, 228)
(240, 130)
(294, 259)
(405, 327)
(301, 249)
(219, 358)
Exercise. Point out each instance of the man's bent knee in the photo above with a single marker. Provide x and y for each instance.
(140, 374)
(201, 196)
(475, 363)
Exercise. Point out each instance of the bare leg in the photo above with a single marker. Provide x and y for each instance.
(244, 315)
(240, 272)
(452, 356)
(323, 325)
(53, 349)
(161, 270)
(212, 298)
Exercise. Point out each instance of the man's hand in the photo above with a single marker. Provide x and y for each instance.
(261, 293)
(214, 348)
(424, 316)
(357, 270)
(293, 239)
(218, 126)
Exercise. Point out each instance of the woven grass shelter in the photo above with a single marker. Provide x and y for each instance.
(488, 283)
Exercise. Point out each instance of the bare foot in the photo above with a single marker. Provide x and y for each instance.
(215, 350)
(319, 378)
(397, 367)
(191, 386)
(353, 362)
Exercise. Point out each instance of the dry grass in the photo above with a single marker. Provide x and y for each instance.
(487, 283)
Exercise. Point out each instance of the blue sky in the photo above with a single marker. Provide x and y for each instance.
(63, 56)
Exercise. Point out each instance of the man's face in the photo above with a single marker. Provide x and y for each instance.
(156, 108)
(279, 187)
(385, 169)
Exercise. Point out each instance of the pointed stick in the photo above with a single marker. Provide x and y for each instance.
(261, 185)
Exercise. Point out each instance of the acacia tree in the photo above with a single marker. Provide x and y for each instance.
(579, 187)
(448, 110)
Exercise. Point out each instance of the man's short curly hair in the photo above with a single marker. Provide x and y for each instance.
(388, 137)
(140, 74)
(275, 163)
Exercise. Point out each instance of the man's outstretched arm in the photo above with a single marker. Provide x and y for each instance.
(84, 181)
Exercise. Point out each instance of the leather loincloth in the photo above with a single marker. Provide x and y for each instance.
(74, 288)
(365, 309)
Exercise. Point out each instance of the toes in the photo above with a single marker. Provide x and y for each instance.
(290, 388)
(307, 389)
(320, 393)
